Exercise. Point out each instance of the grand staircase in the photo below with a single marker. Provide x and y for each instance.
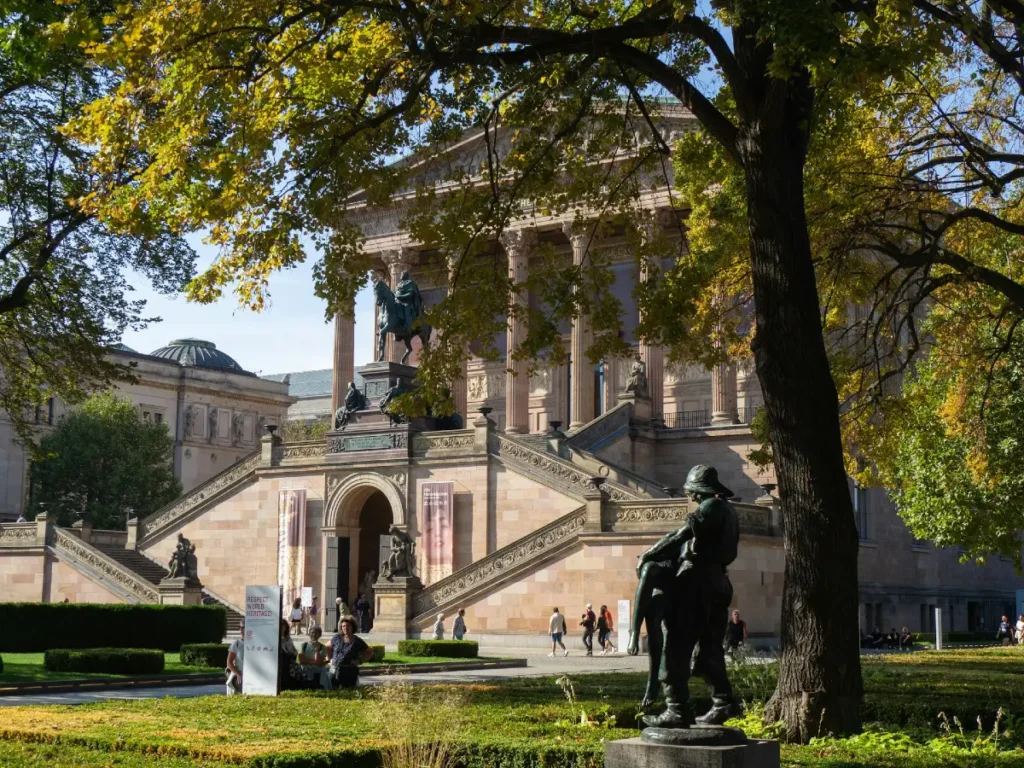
(141, 566)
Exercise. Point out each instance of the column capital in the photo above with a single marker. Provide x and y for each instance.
(581, 233)
(395, 257)
(518, 241)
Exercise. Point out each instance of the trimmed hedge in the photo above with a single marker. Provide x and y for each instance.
(460, 649)
(114, 661)
(41, 626)
(378, 653)
(1, 665)
(204, 654)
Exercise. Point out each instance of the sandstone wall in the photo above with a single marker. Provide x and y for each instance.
(23, 576)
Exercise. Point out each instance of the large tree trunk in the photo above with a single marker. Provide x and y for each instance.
(819, 688)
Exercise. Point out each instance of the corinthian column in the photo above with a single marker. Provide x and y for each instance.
(723, 394)
(344, 359)
(518, 244)
(458, 387)
(398, 260)
(652, 355)
(582, 374)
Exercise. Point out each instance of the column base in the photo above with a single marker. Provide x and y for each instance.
(636, 753)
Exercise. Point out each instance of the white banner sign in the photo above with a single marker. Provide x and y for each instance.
(623, 625)
(307, 597)
(262, 639)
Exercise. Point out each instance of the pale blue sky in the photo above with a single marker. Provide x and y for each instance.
(291, 335)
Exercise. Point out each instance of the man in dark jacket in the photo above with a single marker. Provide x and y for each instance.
(588, 621)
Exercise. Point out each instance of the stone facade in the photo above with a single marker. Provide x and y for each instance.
(215, 413)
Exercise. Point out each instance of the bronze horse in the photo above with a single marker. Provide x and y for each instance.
(391, 318)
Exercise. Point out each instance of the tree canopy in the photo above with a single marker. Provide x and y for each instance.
(101, 462)
(63, 275)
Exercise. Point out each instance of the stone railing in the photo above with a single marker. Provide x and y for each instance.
(164, 518)
(595, 465)
(661, 515)
(18, 534)
(456, 442)
(500, 565)
(553, 470)
(609, 424)
(304, 452)
(104, 569)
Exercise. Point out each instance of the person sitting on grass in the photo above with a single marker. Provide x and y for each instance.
(892, 640)
(348, 651)
(906, 640)
(314, 662)
(236, 652)
(877, 638)
(289, 671)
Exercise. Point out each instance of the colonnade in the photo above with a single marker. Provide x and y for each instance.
(518, 245)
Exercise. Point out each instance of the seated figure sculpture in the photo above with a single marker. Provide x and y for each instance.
(354, 401)
(400, 556)
(685, 589)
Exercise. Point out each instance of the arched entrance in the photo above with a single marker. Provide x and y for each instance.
(360, 511)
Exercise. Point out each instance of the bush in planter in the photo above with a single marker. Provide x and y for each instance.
(103, 625)
(378, 653)
(204, 654)
(462, 649)
(112, 661)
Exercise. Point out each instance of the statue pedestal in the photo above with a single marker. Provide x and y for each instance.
(394, 605)
(641, 406)
(638, 753)
(180, 591)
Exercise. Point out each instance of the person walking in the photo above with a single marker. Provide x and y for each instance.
(1019, 635)
(1005, 632)
(557, 628)
(603, 629)
(439, 627)
(296, 615)
(735, 632)
(588, 622)
(459, 627)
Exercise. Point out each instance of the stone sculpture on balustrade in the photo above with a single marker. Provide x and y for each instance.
(354, 401)
(637, 381)
(183, 563)
(399, 561)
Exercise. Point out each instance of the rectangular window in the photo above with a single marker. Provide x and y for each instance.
(158, 418)
(147, 416)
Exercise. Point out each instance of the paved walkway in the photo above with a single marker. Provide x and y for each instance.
(539, 665)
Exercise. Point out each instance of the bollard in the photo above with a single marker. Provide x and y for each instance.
(938, 629)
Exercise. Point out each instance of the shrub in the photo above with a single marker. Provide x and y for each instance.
(462, 649)
(1, 665)
(378, 653)
(93, 625)
(114, 661)
(204, 654)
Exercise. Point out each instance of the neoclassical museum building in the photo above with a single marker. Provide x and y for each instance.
(555, 484)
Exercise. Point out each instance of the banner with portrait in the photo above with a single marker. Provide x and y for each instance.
(291, 543)
(438, 540)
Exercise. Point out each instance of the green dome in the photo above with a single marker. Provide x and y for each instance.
(198, 353)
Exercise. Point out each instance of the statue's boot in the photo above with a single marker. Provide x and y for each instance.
(722, 709)
(674, 716)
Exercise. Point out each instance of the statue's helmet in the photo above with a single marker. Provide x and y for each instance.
(703, 479)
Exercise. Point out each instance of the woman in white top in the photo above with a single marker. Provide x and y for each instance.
(236, 651)
(1019, 634)
(439, 627)
(296, 615)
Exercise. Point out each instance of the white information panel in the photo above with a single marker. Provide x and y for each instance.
(622, 625)
(307, 597)
(262, 638)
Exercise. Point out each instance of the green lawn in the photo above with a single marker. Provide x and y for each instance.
(28, 667)
(529, 722)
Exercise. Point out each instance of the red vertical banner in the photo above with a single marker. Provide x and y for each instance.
(437, 506)
(291, 543)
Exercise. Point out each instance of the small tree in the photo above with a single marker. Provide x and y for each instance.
(102, 460)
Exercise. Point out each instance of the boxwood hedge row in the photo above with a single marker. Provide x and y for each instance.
(111, 661)
(204, 654)
(36, 627)
(462, 649)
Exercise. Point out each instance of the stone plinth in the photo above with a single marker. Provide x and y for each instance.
(180, 591)
(378, 378)
(636, 753)
(641, 406)
(394, 604)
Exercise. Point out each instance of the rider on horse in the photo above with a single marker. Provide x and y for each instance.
(407, 294)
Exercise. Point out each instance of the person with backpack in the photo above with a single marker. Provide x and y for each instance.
(557, 628)
(588, 622)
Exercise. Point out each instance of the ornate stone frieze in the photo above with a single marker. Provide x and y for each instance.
(17, 535)
(198, 496)
(548, 466)
(301, 451)
(540, 382)
(104, 567)
(485, 386)
(489, 571)
(648, 513)
(443, 442)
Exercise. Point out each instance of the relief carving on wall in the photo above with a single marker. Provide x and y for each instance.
(484, 386)
(18, 535)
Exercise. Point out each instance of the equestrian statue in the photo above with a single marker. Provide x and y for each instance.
(400, 314)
